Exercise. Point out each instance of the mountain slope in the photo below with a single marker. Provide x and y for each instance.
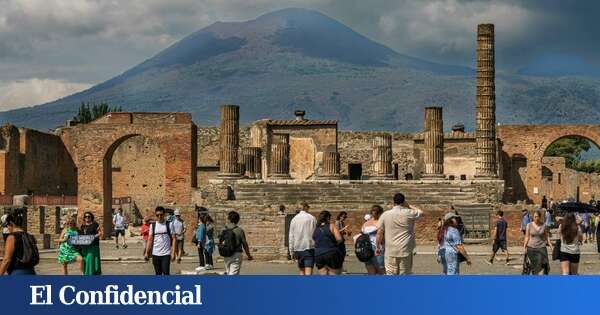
(301, 59)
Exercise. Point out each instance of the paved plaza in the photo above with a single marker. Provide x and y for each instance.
(130, 262)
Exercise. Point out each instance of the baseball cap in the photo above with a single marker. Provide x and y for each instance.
(449, 216)
(177, 212)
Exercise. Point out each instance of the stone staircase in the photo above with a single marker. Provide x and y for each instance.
(476, 218)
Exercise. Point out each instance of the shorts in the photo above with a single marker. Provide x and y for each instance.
(306, 258)
(572, 258)
(499, 244)
(117, 232)
(332, 260)
(377, 262)
(586, 230)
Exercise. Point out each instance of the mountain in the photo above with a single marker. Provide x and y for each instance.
(301, 59)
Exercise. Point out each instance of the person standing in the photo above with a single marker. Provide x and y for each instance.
(544, 203)
(178, 227)
(327, 239)
(340, 224)
(145, 232)
(535, 243)
(301, 244)
(451, 246)
(161, 244)
(66, 252)
(570, 242)
(586, 226)
(376, 265)
(396, 230)
(119, 226)
(525, 220)
(547, 218)
(209, 245)
(232, 243)
(499, 237)
(91, 253)
(5, 230)
(205, 243)
(14, 246)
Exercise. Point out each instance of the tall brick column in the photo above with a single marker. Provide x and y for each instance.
(280, 156)
(485, 132)
(434, 143)
(251, 157)
(331, 165)
(382, 157)
(230, 141)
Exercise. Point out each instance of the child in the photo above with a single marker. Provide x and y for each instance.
(145, 231)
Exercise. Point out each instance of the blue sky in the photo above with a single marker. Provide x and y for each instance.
(51, 48)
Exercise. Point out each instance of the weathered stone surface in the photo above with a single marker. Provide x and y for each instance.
(280, 156)
(382, 156)
(434, 143)
(230, 141)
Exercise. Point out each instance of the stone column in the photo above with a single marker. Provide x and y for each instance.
(485, 132)
(251, 157)
(434, 143)
(382, 157)
(280, 156)
(331, 165)
(230, 141)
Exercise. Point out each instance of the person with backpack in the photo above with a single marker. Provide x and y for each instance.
(67, 253)
(366, 244)
(327, 238)
(20, 250)
(232, 242)
(300, 242)
(161, 244)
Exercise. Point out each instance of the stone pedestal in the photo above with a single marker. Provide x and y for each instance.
(331, 165)
(485, 132)
(434, 143)
(280, 156)
(382, 157)
(229, 142)
(252, 160)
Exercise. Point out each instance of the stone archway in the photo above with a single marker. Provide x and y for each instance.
(93, 145)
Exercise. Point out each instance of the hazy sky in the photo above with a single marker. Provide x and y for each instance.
(52, 48)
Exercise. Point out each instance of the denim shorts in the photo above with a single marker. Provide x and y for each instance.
(306, 258)
(376, 261)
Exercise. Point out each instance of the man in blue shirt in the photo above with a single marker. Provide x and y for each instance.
(525, 219)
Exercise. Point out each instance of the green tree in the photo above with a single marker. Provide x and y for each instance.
(569, 148)
(88, 112)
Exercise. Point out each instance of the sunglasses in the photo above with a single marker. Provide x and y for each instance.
(87, 216)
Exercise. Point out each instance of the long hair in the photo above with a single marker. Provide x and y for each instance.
(376, 211)
(341, 214)
(569, 229)
(442, 232)
(209, 219)
(324, 217)
(16, 217)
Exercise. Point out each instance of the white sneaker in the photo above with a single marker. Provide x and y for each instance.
(208, 267)
(200, 268)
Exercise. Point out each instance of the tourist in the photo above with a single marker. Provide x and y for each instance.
(598, 233)
(499, 236)
(204, 242)
(451, 251)
(5, 230)
(91, 253)
(209, 245)
(161, 244)
(396, 231)
(301, 246)
(525, 219)
(586, 226)
(327, 239)
(119, 226)
(536, 240)
(14, 245)
(145, 232)
(544, 203)
(67, 253)
(344, 229)
(178, 227)
(232, 243)
(593, 225)
(570, 242)
(375, 266)
(547, 218)
(460, 224)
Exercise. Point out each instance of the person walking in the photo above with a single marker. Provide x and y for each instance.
(205, 243)
(161, 244)
(301, 244)
(178, 227)
(67, 253)
(327, 239)
(14, 246)
(525, 219)
(119, 226)
(535, 243)
(232, 243)
(452, 251)
(344, 229)
(396, 228)
(586, 226)
(544, 203)
(91, 253)
(570, 242)
(375, 266)
(499, 237)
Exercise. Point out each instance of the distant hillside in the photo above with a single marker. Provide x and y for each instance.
(301, 59)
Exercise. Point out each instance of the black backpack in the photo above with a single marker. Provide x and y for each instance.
(363, 249)
(31, 255)
(228, 243)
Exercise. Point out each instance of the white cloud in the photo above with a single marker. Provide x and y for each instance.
(35, 91)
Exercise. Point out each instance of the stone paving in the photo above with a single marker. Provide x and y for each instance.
(130, 262)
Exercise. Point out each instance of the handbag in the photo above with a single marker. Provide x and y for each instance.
(556, 250)
(527, 268)
(461, 257)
